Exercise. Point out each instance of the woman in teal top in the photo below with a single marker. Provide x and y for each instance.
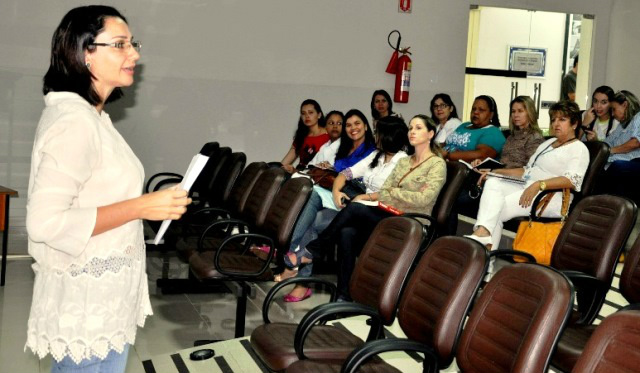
(480, 138)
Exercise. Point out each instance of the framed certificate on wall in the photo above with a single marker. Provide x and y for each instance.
(531, 60)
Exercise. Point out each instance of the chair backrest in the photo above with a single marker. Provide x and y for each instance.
(439, 293)
(598, 156)
(285, 209)
(614, 346)
(262, 195)
(220, 158)
(384, 264)
(593, 236)
(630, 277)
(516, 322)
(226, 178)
(456, 175)
(244, 184)
(211, 150)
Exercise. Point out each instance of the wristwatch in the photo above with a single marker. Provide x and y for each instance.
(543, 185)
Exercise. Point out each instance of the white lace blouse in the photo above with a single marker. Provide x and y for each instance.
(90, 293)
(570, 160)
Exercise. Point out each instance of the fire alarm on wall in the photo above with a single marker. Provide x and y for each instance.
(404, 6)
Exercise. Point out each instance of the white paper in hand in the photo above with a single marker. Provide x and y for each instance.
(195, 167)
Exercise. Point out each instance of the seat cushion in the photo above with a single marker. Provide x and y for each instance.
(570, 347)
(376, 365)
(274, 344)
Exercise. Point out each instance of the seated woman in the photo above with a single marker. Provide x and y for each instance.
(445, 114)
(326, 155)
(372, 170)
(520, 145)
(598, 121)
(356, 143)
(559, 162)
(309, 137)
(480, 138)
(413, 186)
(623, 169)
(381, 107)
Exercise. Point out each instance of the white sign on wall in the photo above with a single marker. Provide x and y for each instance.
(531, 60)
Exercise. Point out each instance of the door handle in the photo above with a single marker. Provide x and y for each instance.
(514, 90)
(537, 97)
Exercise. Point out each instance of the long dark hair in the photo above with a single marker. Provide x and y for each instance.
(447, 100)
(71, 39)
(607, 91)
(302, 131)
(392, 134)
(431, 126)
(380, 92)
(491, 103)
(345, 141)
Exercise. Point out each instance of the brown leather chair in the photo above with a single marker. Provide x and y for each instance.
(231, 261)
(439, 220)
(575, 337)
(513, 326)
(588, 248)
(249, 201)
(156, 181)
(614, 346)
(433, 308)
(375, 286)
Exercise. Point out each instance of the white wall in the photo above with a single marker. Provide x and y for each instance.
(623, 51)
(236, 71)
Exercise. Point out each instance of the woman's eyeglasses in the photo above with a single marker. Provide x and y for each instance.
(121, 45)
(441, 106)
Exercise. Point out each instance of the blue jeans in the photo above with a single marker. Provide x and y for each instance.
(305, 220)
(322, 220)
(113, 363)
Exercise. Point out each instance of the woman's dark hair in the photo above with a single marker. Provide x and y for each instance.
(431, 126)
(491, 103)
(73, 37)
(380, 92)
(392, 137)
(345, 141)
(633, 106)
(447, 100)
(302, 131)
(334, 112)
(607, 91)
(570, 109)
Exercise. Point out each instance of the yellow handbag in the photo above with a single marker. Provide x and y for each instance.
(537, 238)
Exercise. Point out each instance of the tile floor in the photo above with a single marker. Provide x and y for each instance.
(178, 320)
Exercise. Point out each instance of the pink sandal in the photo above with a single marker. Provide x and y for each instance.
(262, 252)
(292, 298)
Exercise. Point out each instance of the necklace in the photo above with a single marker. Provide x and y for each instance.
(547, 150)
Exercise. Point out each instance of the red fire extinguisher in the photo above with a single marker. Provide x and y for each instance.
(401, 67)
(403, 78)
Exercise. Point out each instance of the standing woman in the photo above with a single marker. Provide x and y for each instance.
(598, 121)
(445, 114)
(309, 137)
(84, 210)
(381, 106)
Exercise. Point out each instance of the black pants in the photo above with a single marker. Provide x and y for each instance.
(350, 230)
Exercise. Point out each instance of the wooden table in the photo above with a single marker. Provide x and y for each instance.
(5, 194)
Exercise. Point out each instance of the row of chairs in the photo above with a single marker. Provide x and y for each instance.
(599, 223)
(586, 247)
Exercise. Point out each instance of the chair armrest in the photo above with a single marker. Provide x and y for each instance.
(333, 291)
(590, 293)
(370, 349)
(161, 174)
(244, 275)
(329, 311)
(223, 222)
(428, 232)
(505, 253)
